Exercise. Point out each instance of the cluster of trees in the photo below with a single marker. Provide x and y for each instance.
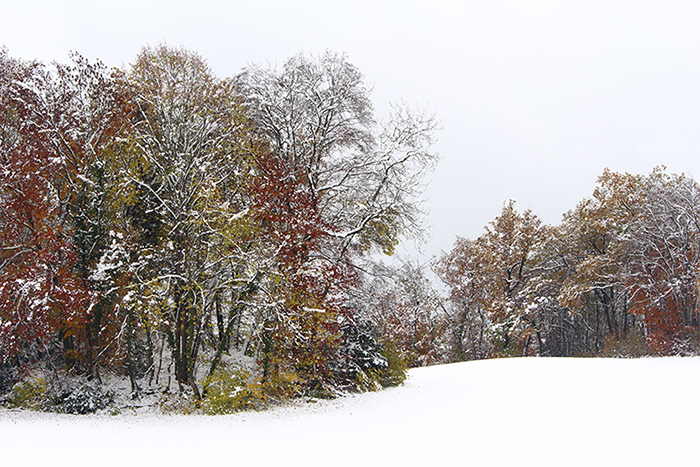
(158, 220)
(619, 276)
(176, 228)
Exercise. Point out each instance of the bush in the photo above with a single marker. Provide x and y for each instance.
(627, 347)
(86, 399)
(230, 391)
(32, 394)
(395, 371)
(367, 380)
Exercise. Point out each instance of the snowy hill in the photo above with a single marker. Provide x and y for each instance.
(539, 412)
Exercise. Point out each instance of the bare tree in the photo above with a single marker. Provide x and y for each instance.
(365, 177)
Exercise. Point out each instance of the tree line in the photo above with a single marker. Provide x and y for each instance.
(618, 277)
(178, 228)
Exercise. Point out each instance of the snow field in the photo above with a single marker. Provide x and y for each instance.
(528, 411)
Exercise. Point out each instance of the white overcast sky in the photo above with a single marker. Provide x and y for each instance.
(536, 98)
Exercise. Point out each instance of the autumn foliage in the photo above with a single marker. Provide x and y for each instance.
(618, 277)
(202, 236)
(173, 227)
(40, 291)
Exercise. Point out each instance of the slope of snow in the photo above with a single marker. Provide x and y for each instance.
(522, 412)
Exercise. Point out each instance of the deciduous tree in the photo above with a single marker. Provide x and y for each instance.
(40, 292)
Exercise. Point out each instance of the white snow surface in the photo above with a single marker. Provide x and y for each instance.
(520, 412)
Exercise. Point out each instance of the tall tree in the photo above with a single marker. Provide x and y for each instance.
(335, 186)
(40, 292)
(662, 262)
(187, 169)
(495, 279)
(87, 114)
(595, 235)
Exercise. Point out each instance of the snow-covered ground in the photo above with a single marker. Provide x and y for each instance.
(511, 412)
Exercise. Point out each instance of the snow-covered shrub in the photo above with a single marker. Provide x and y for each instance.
(32, 393)
(86, 399)
(228, 391)
(367, 381)
(373, 363)
(365, 360)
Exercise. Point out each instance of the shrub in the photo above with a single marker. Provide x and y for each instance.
(395, 371)
(230, 391)
(627, 347)
(367, 380)
(30, 394)
(86, 399)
